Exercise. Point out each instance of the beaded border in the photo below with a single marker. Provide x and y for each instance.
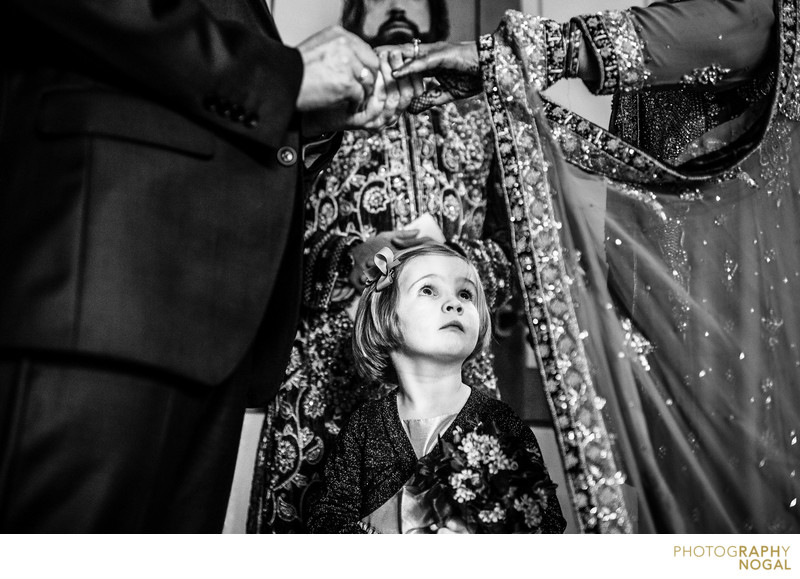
(789, 83)
(620, 50)
(593, 479)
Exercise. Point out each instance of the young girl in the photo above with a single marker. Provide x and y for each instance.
(419, 320)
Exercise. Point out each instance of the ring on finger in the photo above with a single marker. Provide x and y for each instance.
(416, 48)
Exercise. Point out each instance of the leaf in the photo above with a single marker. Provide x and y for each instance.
(313, 453)
(286, 410)
(286, 512)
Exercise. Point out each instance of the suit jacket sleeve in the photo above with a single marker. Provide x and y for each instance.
(179, 51)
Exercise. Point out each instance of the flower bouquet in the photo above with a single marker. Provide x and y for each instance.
(488, 480)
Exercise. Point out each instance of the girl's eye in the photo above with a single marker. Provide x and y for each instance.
(465, 295)
(426, 290)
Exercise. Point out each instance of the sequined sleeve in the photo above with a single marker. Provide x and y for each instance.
(699, 43)
(337, 510)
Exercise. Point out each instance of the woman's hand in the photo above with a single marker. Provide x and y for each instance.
(456, 68)
(428, 59)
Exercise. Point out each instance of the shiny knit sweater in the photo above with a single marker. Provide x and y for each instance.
(374, 458)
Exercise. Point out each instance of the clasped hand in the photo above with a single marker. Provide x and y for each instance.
(347, 85)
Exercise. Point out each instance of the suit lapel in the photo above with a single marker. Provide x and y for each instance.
(259, 7)
(252, 14)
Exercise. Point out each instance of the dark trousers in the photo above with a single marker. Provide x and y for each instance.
(92, 447)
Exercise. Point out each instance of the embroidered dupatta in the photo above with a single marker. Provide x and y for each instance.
(662, 301)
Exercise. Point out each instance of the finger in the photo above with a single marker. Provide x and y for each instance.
(419, 85)
(461, 57)
(409, 51)
(384, 48)
(355, 278)
(405, 86)
(429, 57)
(422, 65)
(414, 241)
(370, 115)
(411, 242)
(360, 281)
(393, 96)
(433, 96)
(406, 233)
(364, 76)
(363, 52)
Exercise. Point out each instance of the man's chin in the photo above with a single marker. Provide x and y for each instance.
(400, 35)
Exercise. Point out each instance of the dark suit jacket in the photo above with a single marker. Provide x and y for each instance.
(149, 181)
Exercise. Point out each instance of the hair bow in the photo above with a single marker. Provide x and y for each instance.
(382, 273)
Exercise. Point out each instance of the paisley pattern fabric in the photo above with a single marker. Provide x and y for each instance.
(441, 163)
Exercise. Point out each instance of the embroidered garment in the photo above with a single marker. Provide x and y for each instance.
(374, 458)
(439, 163)
(661, 282)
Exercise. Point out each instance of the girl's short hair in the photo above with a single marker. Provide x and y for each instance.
(377, 327)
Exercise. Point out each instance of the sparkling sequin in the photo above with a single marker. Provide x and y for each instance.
(375, 183)
(705, 76)
(599, 501)
(613, 37)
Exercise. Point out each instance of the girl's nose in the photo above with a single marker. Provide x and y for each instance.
(453, 305)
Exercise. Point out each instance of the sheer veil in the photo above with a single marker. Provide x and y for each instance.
(663, 302)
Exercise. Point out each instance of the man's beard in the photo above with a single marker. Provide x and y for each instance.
(398, 30)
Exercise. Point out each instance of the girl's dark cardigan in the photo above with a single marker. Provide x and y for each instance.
(373, 459)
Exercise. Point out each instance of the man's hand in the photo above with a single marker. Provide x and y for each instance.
(383, 106)
(339, 70)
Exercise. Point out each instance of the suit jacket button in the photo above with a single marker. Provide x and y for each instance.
(238, 114)
(251, 121)
(287, 156)
(211, 104)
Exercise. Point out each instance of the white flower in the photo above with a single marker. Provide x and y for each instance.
(484, 450)
(497, 514)
(458, 480)
(530, 509)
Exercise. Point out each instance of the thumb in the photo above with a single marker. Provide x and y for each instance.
(406, 233)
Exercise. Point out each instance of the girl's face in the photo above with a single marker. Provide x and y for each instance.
(436, 308)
